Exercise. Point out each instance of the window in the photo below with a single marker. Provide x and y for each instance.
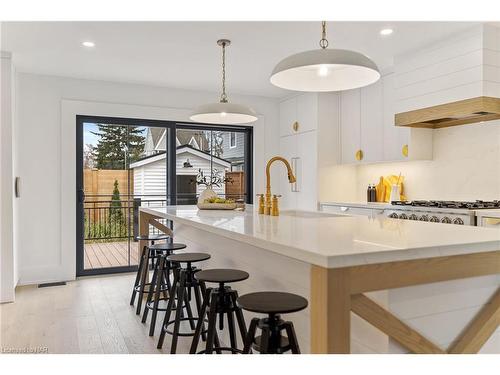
(232, 140)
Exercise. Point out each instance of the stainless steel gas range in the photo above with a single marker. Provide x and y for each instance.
(449, 212)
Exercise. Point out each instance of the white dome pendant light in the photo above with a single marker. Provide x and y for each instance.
(224, 112)
(325, 69)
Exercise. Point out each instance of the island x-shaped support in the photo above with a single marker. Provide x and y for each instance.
(145, 220)
(335, 292)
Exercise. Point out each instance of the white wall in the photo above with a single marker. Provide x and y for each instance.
(46, 155)
(8, 266)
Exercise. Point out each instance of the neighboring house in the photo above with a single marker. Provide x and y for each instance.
(233, 149)
(156, 140)
(233, 144)
(150, 174)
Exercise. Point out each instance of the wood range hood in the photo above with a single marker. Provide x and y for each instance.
(468, 111)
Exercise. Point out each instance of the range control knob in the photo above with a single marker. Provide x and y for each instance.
(458, 221)
(434, 219)
(403, 216)
(446, 220)
(394, 215)
(413, 217)
(424, 218)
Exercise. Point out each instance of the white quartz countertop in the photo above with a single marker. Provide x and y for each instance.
(331, 240)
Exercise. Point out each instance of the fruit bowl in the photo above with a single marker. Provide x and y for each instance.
(216, 203)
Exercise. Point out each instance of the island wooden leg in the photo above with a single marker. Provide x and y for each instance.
(143, 231)
(330, 310)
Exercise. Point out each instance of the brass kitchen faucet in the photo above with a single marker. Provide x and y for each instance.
(268, 206)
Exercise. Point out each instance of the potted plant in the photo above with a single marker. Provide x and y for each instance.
(215, 179)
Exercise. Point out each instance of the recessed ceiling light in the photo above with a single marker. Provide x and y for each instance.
(88, 44)
(386, 31)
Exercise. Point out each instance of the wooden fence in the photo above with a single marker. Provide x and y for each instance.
(100, 182)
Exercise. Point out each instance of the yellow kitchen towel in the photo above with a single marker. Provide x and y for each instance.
(384, 188)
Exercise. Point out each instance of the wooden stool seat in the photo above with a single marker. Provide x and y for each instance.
(219, 303)
(272, 302)
(152, 237)
(221, 275)
(167, 246)
(188, 257)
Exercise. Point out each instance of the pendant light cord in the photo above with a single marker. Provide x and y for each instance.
(323, 43)
(223, 97)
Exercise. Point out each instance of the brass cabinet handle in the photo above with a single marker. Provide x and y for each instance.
(295, 126)
(491, 221)
(359, 155)
(404, 151)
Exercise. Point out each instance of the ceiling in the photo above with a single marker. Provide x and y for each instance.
(185, 54)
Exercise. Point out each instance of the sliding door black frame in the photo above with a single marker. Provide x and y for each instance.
(171, 127)
(80, 197)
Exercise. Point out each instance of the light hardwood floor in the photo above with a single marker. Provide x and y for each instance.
(89, 315)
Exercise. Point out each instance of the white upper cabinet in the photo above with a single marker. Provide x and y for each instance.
(307, 112)
(288, 116)
(350, 123)
(372, 132)
(299, 114)
(368, 133)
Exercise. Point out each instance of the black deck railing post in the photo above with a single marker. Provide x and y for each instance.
(137, 204)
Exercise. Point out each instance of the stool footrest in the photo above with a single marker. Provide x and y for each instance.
(222, 349)
(184, 334)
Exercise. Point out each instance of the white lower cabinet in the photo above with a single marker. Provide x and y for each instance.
(307, 170)
(300, 151)
(288, 150)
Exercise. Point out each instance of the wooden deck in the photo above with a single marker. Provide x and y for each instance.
(109, 254)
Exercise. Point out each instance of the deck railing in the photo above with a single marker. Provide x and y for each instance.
(110, 220)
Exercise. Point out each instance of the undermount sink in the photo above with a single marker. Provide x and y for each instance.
(307, 214)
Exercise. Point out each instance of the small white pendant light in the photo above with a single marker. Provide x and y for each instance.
(325, 69)
(224, 112)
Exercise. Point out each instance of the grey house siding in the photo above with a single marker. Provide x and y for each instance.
(236, 152)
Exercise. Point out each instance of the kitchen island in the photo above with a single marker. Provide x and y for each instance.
(355, 271)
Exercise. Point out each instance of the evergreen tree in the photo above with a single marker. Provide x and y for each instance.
(115, 209)
(114, 141)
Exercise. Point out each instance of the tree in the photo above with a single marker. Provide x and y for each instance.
(215, 140)
(115, 209)
(117, 146)
(88, 156)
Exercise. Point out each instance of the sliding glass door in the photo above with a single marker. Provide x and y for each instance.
(125, 164)
(220, 156)
(118, 171)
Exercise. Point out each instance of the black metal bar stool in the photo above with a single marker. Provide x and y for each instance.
(220, 301)
(271, 340)
(140, 283)
(160, 280)
(183, 286)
